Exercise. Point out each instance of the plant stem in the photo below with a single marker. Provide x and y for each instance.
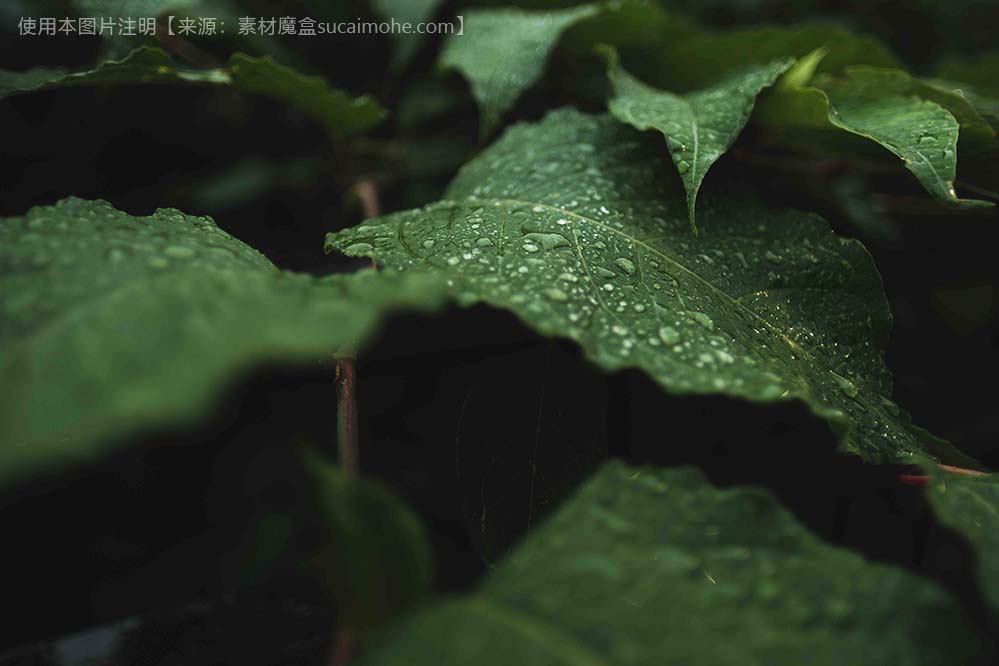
(347, 415)
(347, 440)
(341, 648)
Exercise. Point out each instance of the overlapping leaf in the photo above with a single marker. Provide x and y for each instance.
(571, 224)
(880, 105)
(650, 567)
(111, 323)
(340, 114)
(699, 126)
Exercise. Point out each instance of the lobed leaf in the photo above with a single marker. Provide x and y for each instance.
(648, 566)
(568, 224)
(338, 113)
(699, 126)
(111, 323)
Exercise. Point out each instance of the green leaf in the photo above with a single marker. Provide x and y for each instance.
(338, 113)
(704, 57)
(699, 126)
(503, 52)
(376, 558)
(569, 224)
(880, 105)
(970, 505)
(112, 323)
(648, 567)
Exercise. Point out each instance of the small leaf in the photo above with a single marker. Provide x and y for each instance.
(880, 105)
(112, 323)
(504, 52)
(338, 113)
(647, 567)
(970, 505)
(568, 224)
(375, 556)
(699, 126)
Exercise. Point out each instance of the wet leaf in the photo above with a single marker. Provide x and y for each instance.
(699, 126)
(970, 505)
(880, 105)
(570, 224)
(338, 113)
(111, 323)
(646, 566)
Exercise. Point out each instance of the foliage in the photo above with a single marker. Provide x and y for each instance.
(618, 200)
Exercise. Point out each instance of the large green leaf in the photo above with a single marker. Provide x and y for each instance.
(656, 567)
(699, 126)
(880, 105)
(970, 505)
(503, 52)
(338, 113)
(111, 323)
(571, 224)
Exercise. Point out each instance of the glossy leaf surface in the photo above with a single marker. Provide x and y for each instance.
(571, 224)
(699, 126)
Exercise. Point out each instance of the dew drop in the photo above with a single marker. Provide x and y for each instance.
(702, 319)
(669, 335)
(556, 294)
(626, 265)
(179, 251)
(358, 248)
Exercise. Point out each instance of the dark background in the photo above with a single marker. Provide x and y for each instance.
(479, 424)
